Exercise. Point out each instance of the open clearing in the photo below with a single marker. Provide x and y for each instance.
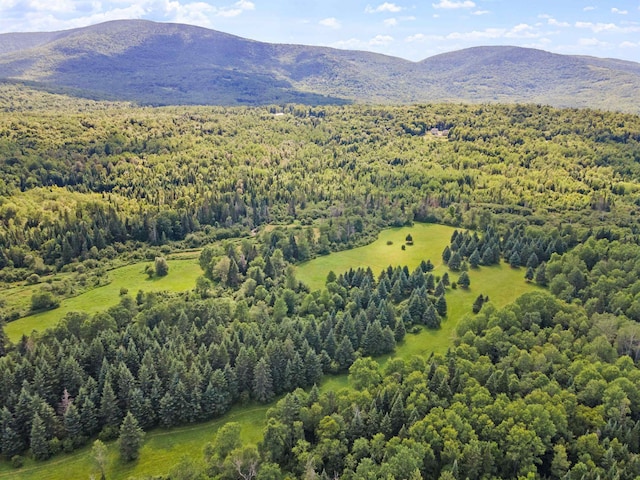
(182, 276)
(429, 241)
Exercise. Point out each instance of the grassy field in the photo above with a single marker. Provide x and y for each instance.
(182, 276)
(164, 448)
(161, 450)
(429, 241)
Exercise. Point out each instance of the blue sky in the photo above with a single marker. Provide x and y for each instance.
(406, 28)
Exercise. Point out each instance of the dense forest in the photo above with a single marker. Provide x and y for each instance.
(544, 388)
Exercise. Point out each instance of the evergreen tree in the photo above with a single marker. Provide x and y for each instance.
(313, 367)
(514, 259)
(441, 306)
(528, 276)
(446, 254)
(474, 259)
(262, 384)
(430, 282)
(430, 317)
(400, 331)
(10, 442)
(89, 416)
(73, 425)
(397, 414)
(110, 412)
(464, 280)
(38, 439)
(541, 274)
(233, 276)
(533, 261)
(372, 343)
(455, 261)
(478, 303)
(131, 438)
(345, 355)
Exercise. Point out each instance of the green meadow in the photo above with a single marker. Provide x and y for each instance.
(164, 448)
(429, 241)
(182, 276)
(161, 450)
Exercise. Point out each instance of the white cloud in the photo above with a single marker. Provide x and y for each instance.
(597, 27)
(556, 23)
(57, 6)
(588, 9)
(381, 40)
(449, 4)
(627, 44)
(350, 44)
(618, 11)
(477, 34)
(521, 30)
(480, 12)
(384, 7)
(591, 42)
(418, 37)
(237, 9)
(421, 37)
(330, 22)
(391, 22)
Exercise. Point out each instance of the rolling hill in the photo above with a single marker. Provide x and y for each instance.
(160, 63)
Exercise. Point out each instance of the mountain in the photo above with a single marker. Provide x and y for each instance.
(161, 63)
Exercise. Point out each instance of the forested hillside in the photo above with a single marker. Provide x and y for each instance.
(175, 64)
(545, 387)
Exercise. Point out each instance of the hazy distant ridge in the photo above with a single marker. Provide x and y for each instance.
(161, 63)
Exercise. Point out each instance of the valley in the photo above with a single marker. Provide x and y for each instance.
(331, 290)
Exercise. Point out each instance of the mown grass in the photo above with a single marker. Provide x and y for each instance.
(182, 276)
(165, 448)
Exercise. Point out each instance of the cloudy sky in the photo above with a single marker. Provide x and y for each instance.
(412, 29)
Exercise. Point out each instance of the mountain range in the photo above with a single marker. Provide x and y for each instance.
(168, 64)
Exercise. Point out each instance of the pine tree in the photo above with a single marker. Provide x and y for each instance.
(73, 425)
(541, 274)
(233, 276)
(533, 261)
(446, 254)
(474, 259)
(38, 439)
(455, 261)
(262, 384)
(345, 355)
(514, 260)
(88, 416)
(400, 331)
(477, 304)
(396, 414)
(110, 413)
(430, 317)
(131, 438)
(441, 306)
(313, 367)
(464, 280)
(528, 276)
(10, 442)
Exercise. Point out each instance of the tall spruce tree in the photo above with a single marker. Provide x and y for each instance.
(131, 438)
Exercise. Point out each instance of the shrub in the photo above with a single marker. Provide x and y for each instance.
(43, 300)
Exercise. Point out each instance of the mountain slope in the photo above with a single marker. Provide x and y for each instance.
(159, 63)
